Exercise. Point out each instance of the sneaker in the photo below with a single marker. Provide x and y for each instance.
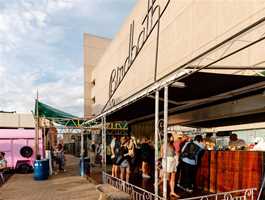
(188, 190)
(146, 176)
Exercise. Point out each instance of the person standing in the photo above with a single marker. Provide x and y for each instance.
(171, 163)
(209, 141)
(132, 154)
(115, 151)
(236, 143)
(178, 145)
(99, 153)
(92, 153)
(190, 156)
(60, 157)
(146, 154)
(125, 162)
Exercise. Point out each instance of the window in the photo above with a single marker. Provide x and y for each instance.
(94, 100)
(93, 82)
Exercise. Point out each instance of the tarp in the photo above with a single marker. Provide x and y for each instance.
(56, 115)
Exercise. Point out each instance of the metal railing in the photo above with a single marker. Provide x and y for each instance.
(138, 193)
(244, 194)
(135, 192)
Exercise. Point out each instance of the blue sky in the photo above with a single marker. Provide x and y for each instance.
(41, 48)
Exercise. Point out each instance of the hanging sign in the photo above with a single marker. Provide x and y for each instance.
(150, 21)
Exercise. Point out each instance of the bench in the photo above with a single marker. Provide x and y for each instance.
(108, 192)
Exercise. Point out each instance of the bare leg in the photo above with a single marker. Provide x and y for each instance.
(117, 171)
(172, 184)
(128, 171)
(145, 168)
(113, 171)
(122, 173)
(160, 181)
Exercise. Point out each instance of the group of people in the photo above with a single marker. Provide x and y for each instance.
(180, 161)
(128, 157)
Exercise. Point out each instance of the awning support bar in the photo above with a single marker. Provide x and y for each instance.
(82, 153)
(156, 139)
(165, 142)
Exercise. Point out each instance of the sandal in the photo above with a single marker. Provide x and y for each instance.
(173, 194)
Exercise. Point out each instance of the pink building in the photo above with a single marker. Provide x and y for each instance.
(17, 139)
(12, 142)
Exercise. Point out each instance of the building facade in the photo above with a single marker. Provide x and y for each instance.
(16, 120)
(164, 36)
(94, 48)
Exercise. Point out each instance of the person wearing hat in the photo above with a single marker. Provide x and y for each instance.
(125, 163)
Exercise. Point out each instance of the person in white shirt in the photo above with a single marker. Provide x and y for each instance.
(236, 143)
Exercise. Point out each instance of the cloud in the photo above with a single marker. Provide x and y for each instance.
(41, 48)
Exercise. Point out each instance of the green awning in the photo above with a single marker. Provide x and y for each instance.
(56, 115)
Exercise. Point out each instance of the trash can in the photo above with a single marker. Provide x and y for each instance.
(41, 169)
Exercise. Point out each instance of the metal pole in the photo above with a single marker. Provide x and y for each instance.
(82, 153)
(37, 126)
(104, 148)
(156, 139)
(165, 142)
(261, 188)
(44, 141)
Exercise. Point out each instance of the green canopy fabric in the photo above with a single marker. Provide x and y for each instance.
(56, 115)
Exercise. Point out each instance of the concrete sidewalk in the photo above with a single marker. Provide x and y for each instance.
(64, 186)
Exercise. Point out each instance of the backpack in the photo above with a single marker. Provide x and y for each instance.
(191, 151)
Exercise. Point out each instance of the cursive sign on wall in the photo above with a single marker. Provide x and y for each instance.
(150, 21)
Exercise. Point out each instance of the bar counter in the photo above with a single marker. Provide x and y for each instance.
(222, 171)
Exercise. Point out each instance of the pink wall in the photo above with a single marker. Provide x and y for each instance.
(12, 140)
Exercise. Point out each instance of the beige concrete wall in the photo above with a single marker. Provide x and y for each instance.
(187, 28)
(15, 120)
(94, 48)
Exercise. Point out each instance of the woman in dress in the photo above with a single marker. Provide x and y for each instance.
(125, 163)
(171, 163)
(115, 152)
